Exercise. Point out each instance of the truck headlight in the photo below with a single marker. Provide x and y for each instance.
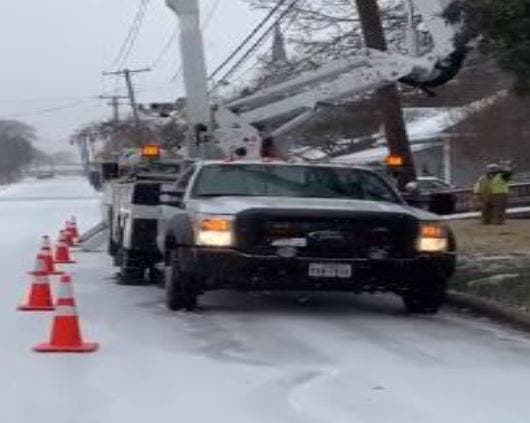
(215, 232)
(433, 239)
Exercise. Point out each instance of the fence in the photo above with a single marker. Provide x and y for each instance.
(519, 196)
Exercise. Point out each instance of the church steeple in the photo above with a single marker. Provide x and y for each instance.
(279, 53)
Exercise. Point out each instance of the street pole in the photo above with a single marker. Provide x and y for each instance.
(115, 104)
(126, 73)
(390, 102)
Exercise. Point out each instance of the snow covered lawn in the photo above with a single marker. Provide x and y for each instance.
(495, 261)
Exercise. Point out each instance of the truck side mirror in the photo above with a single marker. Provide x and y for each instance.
(172, 198)
(411, 187)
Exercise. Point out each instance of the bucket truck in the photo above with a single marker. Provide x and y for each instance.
(249, 223)
(229, 130)
(233, 126)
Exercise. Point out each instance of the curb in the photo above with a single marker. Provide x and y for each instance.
(490, 308)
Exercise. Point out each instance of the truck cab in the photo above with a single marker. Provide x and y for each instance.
(272, 225)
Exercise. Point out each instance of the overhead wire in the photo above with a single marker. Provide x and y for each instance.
(49, 110)
(287, 27)
(255, 45)
(247, 39)
(134, 37)
(132, 34)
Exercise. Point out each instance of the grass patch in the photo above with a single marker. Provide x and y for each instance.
(494, 261)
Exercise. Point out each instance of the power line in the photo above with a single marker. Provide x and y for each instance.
(44, 99)
(256, 44)
(51, 109)
(134, 38)
(295, 67)
(132, 34)
(165, 49)
(247, 39)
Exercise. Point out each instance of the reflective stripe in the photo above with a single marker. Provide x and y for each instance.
(41, 265)
(46, 243)
(65, 289)
(65, 311)
(42, 280)
(66, 302)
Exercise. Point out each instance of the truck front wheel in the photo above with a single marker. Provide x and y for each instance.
(426, 297)
(180, 290)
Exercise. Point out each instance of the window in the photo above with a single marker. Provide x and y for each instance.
(184, 179)
(291, 181)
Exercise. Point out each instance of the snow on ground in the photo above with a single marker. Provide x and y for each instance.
(262, 358)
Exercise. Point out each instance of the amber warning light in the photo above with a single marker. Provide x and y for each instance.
(151, 151)
(394, 161)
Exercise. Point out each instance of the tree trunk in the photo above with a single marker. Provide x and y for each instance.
(389, 99)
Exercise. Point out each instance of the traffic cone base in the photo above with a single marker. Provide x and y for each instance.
(65, 335)
(63, 262)
(40, 273)
(33, 308)
(86, 347)
(40, 298)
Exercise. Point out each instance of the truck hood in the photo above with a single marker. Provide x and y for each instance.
(234, 205)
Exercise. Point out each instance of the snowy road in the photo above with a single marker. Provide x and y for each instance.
(242, 359)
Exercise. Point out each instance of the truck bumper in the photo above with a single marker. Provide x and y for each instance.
(220, 268)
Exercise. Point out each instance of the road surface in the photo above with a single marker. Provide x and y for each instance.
(242, 359)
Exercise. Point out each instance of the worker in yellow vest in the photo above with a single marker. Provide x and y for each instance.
(492, 190)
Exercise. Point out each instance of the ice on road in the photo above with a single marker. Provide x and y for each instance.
(243, 358)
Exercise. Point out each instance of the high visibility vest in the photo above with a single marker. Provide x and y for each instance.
(482, 186)
(499, 185)
(486, 186)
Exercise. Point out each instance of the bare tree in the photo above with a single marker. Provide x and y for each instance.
(16, 145)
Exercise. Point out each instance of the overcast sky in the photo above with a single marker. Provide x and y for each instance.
(52, 54)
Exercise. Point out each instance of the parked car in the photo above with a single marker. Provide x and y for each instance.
(431, 193)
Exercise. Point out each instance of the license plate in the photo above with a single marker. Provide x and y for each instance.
(321, 270)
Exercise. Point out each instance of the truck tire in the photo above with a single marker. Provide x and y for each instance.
(426, 299)
(131, 273)
(156, 276)
(112, 248)
(180, 292)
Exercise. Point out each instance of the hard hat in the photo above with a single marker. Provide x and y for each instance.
(493, 167)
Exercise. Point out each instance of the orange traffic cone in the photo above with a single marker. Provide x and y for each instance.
(46, 251)
(66, 334)
(40, 297)
(68, 235)
(62, 252)
(75, 230)
(72, 232)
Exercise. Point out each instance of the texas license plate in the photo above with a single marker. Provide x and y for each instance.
(321, 270)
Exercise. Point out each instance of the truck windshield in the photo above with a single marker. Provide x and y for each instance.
(291, 181)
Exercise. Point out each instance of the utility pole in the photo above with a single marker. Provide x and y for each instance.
(115, 104)
(126, 73)
(390, 102)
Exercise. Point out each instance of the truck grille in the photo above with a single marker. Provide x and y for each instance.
(328, 234)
